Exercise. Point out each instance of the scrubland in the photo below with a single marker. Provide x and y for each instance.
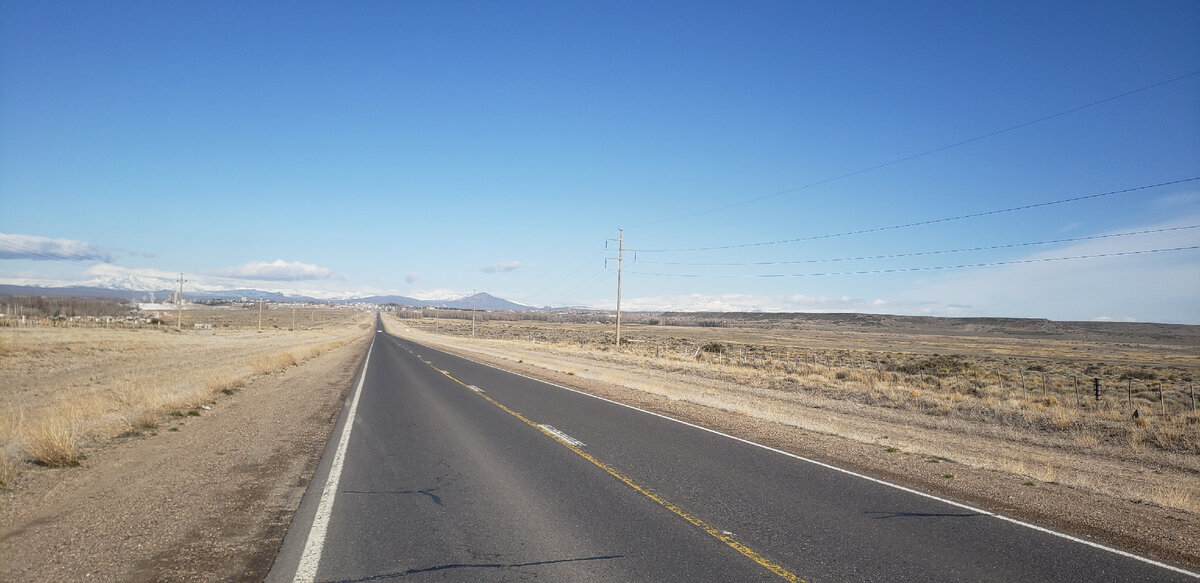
(63, 389)
(1023, 405)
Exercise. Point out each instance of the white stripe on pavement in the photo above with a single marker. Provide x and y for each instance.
(310, 559)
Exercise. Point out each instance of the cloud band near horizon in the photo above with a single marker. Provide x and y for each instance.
(37, 248)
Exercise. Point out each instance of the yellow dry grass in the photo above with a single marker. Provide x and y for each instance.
(64, 388)
(272, 363)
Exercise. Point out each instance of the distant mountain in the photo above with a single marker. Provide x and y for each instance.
(238, 294)
(398, 300)
(127, 283)
(79, 291)
(480, 301)
(142, 292)
(484, 301)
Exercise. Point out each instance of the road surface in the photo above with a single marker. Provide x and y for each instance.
(450, 470)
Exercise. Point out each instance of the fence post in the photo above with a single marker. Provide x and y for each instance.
(1193, 395)
(1077, 403)
(1043, 386)
(1162, 401)
(1129, 393)
(1097, 381)
(1024, 393)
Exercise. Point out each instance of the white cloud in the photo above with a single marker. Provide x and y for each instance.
(504, 267)
(1156, 287)
(411, 278)
(744, 303)
(278, 270)
(38, 248)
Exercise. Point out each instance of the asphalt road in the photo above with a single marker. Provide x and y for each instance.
(454, 470)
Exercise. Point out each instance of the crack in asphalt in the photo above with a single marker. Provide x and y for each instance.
(449, 566)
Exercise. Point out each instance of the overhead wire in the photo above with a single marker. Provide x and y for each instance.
(568, 276)
(924, 253)
(928, 268)
(592, 281)
(922, 154)
(924, 222)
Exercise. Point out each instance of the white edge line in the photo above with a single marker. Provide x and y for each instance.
(1063, 535)
(310, 559)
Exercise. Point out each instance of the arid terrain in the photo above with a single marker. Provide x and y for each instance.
(147, 454)
(981, 411)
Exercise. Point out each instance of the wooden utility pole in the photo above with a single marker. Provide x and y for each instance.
(620, 258)
(179, 305)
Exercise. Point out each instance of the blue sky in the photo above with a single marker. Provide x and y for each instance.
(432, 149)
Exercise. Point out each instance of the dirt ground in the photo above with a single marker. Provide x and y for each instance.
(203, 498)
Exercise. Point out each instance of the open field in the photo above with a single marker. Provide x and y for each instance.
(63, 388)
(208, 494)
(930, 397)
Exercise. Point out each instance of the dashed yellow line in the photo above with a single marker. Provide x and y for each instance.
(715, 533)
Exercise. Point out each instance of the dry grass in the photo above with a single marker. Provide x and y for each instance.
(224, 383)
(65, 388)
(53, 440)
(1183, 497)
(273, 363)
(1037, 390)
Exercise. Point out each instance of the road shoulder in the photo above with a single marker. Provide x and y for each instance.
(204, 499)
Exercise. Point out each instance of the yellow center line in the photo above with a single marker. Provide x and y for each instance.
(717, 534)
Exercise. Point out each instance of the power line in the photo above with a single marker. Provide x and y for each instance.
(933, 268)
(927, 222)
(923, 253)
(568, 276)
(601, 276)
(930, 152)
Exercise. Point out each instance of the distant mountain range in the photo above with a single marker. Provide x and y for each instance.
(480, 301)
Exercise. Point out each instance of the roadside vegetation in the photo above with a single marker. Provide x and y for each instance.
(64, 389)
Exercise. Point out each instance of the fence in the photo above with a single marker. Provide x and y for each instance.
(80, 322)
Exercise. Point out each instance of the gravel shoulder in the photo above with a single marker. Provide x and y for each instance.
(205, 498)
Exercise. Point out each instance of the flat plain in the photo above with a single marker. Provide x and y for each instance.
(177, 456)
(64, 388)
